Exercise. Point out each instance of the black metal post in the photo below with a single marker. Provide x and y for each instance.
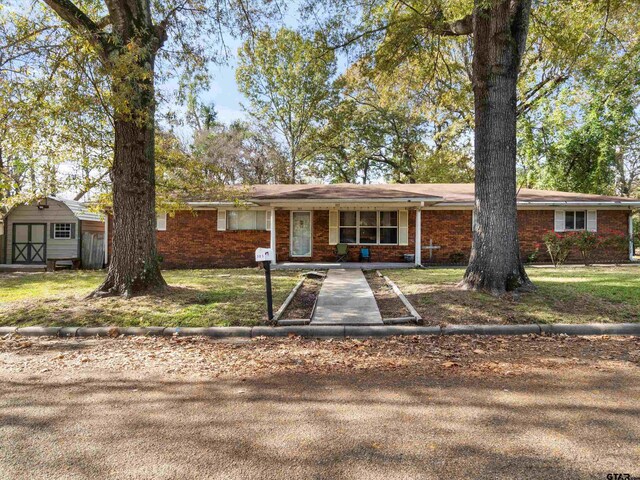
(267, 276)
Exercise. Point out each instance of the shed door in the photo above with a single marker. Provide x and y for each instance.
(29, 244)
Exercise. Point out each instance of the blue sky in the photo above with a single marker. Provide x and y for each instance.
(224, 90)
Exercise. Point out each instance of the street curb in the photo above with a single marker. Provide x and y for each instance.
(38, 331)
(491, 329)
(213, 332)
(145, 331)
(308, 331)
(330, 331)
(389, 330)
(592, 329)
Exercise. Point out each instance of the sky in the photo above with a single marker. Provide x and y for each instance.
(224, 90)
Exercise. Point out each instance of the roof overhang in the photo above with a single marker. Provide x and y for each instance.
(436, 202)
(322, 202)
(555, 204)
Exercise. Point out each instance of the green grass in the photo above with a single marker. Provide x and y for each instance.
(563, 295)
(196, 298)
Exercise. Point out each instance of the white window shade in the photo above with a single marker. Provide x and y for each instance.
(246, 220)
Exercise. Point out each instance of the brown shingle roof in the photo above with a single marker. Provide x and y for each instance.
(457, 193)
(442, 192)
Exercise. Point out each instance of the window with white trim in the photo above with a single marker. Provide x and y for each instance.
(61, 231)
(368, 227)
(575, 220)
(247, 219)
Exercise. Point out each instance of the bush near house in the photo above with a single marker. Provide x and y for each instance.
(561, 245)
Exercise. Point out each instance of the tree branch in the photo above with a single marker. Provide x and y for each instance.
(80, 21)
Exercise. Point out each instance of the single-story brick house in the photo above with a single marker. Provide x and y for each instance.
(432, 222)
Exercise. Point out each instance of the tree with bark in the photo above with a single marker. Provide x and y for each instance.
(508, 76)
(127, 38)
(287, 79)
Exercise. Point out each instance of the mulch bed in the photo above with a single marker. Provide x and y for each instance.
(302, 304)
(388, 302)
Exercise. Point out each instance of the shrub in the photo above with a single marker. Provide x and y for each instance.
(586, 242)
(533, 256)
(615, 240)
(456, 258)
(558, 246)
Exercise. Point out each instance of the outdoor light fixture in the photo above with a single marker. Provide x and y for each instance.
(42, 206)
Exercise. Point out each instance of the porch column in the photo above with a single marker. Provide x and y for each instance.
(631, 243)
(418, 237)
(273, 234)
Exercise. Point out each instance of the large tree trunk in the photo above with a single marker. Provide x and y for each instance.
(500, 29)
(134, 267)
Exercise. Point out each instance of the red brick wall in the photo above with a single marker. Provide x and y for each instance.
(451, 229)
(193, 241)
(448, 229)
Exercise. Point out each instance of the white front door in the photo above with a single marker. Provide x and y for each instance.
(301, 234)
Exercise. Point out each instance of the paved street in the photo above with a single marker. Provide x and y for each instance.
(467, 407)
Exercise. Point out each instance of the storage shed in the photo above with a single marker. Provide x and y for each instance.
(53, 228)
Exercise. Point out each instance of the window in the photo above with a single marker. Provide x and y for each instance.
(246, 220)
(61, 231)
(575, 220)
(369, 227)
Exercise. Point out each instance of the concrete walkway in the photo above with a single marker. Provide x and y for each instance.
(346, 298)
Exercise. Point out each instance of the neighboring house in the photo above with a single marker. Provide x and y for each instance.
(53, 228)
(432, 222)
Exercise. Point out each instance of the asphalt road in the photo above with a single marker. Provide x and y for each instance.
(578, 421)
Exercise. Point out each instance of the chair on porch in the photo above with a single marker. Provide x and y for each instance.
(365, 255)
(342, 250)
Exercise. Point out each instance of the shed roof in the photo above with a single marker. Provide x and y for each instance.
(80, 210)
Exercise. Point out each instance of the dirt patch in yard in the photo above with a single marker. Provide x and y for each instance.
(302, 304)
(388, 302)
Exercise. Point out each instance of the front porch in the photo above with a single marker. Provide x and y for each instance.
(344, 265)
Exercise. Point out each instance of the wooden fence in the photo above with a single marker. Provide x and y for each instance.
(92, 250)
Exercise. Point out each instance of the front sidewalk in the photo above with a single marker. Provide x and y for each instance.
(346, 298)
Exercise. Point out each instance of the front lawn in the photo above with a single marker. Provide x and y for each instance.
(196, 298)
(564, 295)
